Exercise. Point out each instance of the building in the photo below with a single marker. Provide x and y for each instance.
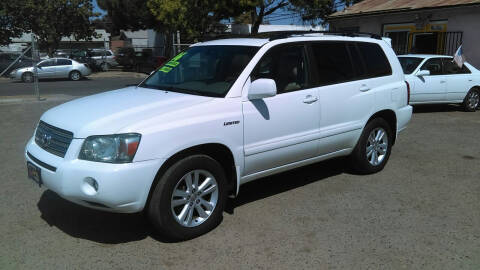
(141, 40)
(102, 40)
(427, 26)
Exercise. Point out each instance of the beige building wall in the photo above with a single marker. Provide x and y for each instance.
(465, 19)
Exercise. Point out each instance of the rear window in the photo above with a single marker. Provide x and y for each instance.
(375, 59)
(409, 64)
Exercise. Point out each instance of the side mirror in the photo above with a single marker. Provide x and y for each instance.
(262, 88)
(423, 72)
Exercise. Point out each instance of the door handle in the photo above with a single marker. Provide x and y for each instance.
(310, 99)
(442, 81)
(364, 88)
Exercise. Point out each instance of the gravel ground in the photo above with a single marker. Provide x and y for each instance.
(421, 212)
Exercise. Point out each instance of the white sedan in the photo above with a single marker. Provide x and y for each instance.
(53, 68)
(437, 79)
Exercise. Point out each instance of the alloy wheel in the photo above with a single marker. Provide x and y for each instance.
(474, 99)
(194, 198)
(377, 146)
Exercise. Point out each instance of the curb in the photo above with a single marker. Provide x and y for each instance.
(7, 100)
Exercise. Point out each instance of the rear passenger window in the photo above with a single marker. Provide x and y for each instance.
(63, 62)
(332, 62)
(375, 59)
(451, 67)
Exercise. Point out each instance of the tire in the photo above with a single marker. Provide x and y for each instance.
(374, 160)
(472, 100)
(27, 77)
(167, 217)
(75, 75)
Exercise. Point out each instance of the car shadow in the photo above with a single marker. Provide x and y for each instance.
(431, 108)
(114, 228)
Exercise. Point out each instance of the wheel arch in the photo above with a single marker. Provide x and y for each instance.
(391, 118)
(220, 152)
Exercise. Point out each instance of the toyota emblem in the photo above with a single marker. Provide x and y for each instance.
(46, 139)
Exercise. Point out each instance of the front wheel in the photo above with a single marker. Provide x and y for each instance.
(27, 77)
(472, 100)
(373, 148)
(189, 198)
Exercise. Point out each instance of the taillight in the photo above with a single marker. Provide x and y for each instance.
(408, 92)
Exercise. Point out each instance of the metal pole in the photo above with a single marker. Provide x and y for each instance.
(35, 71)
(105, 54)
(179, 48)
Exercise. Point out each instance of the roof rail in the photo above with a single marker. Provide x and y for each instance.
(285, 34)
(274, 35)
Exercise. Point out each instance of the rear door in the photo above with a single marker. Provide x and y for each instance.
(346, 96)
(458, 80)
(63, 68)
(431, 88)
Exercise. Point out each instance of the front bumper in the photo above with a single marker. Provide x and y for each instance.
(121, 187)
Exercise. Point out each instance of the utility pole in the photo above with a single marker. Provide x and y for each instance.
(35, 56)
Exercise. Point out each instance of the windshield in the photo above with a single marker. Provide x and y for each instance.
(202, 70)
(409, 64)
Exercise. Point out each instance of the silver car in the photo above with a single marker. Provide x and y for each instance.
(53, 68)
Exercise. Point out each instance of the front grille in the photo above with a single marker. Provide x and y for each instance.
(53, 139)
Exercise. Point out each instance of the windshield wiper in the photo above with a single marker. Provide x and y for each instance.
(180, 90)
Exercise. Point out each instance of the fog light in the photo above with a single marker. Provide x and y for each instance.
(90, 186)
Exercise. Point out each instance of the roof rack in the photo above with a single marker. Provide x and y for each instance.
(285, 34)
(274, 35)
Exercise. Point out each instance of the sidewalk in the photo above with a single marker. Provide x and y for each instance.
(117, 74)
(4, 100)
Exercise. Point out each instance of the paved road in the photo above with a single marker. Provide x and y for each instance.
(83, 87)
(421, 212)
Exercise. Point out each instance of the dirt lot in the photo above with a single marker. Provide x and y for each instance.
(421, 212)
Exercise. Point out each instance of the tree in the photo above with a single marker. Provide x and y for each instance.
(193, 17)
(52, 20)
(313, 10)
(129, 15)
(10, 26)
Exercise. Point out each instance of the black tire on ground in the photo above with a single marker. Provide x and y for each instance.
(472, 100)
(75, 75)
(359, 159)
(159, 209)
(27, 77)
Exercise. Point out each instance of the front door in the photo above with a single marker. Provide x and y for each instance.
(431, 88)
(46, 69)
(282, 129)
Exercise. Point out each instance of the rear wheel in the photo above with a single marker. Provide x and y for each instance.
(189, 198)
(75, 75)
(27, 77)
(472, 100)
(104, 66)
(373, 148)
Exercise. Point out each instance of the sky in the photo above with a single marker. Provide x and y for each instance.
(278, 17)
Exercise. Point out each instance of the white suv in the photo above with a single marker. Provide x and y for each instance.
(218, 115)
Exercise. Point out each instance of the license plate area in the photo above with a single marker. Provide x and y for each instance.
(34, 173)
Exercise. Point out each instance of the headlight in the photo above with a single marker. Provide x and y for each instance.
(119, 148)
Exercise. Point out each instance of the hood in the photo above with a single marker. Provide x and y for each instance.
(108, 112)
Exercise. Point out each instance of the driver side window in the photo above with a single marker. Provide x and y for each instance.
(47, 63)
(286, 65)
(433, 65)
